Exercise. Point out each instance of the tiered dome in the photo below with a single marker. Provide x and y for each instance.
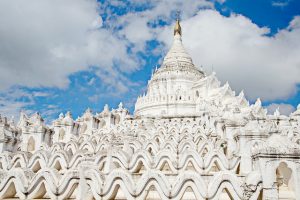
(168, 90)
(178, 60)
(177, 55)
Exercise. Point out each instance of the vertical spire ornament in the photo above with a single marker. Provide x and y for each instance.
(177, 28)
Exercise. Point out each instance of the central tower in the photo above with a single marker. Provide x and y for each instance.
(170, 90)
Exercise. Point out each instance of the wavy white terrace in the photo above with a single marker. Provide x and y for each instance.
(189, 138)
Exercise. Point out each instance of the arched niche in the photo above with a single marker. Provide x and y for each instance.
(102, 123)
(285, 182)
(117, 119)
(31, 144)
(197, 94)
(83, 128)
(61, 135)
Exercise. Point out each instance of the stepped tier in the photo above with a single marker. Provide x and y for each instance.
(190, 138)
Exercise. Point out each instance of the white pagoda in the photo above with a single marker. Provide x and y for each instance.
(189, 138)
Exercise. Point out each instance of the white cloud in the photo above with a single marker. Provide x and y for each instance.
(285, 109)
(43, 42)
(280, 3)
(41, 94)
(116, 83)
(136, 26)
(14, 101)
(236, 48)
(94, 98)
(50, 113)
(242, 53)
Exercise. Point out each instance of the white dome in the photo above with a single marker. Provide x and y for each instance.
(169, 90)
(177, 55)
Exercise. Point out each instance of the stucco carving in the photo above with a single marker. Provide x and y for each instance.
(189, 138)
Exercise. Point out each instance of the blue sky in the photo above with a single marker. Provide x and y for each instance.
(66, 55)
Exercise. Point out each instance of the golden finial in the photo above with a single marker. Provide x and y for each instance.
(177, 28)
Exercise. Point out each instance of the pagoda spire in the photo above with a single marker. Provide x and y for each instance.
(177, 28)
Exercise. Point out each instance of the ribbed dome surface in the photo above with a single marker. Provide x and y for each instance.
(179, 61)
(177, 55)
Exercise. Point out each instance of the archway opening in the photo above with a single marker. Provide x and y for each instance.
(36, 167)
(152, 193)
(140, 168)
(285, 182)
(57, 166)
(188, 194)
(118, 194)
(117, 119)
(10, 192)
(150, 151)
(61, 135)
(215, 167)
(238, 169)
(190, 166)
(165, 168)
(31, 144)
(197, 94)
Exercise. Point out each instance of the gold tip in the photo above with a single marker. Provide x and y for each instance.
(177, 28)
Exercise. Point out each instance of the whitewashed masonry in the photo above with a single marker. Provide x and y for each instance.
(189, 138)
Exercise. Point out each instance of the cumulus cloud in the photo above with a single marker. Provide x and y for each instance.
(285, 109)
(139, 27)
(13, 101)
(239, 51)
(116, 83)
(43, 42)
(244, 54)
